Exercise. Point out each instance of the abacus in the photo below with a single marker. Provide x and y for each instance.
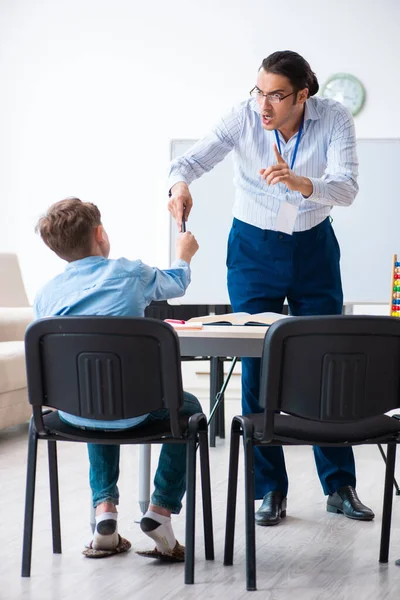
(395, 304)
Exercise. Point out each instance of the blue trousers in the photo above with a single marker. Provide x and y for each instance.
(170, 477)
(264, 268)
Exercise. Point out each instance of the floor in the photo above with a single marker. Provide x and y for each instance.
(312, 555)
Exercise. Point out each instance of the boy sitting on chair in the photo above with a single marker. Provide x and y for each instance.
(93, 284)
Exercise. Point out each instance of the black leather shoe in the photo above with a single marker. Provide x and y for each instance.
(346, 501)
(272, 509)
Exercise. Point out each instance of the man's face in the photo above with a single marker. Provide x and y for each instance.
(277, 115)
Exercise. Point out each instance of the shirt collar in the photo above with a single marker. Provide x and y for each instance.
(88, 260)
(311, 112)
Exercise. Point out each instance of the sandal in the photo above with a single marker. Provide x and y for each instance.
(122, 546)
(177, 554)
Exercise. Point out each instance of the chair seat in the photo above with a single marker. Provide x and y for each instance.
(295, 430)
(137, 435)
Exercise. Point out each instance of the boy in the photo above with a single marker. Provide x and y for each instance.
(93, 284)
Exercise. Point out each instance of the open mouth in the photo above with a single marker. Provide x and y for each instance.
(266, 119)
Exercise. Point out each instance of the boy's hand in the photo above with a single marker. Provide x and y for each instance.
(186, 246)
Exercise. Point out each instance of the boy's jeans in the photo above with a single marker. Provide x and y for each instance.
(170, 477)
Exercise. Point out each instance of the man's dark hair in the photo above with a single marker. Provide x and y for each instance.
(294, 67)
(67, 228)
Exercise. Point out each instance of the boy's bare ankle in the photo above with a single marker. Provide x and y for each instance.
(160, 510)
(105, 507)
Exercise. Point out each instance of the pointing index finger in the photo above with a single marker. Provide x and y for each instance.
(278, 156)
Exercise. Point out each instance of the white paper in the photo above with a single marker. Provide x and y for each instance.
(286, 218)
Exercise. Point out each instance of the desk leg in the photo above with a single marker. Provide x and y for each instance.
(92, 517)
(215, 402)
(144, 476)
(214, 389)
(217, 425)
(221, 410)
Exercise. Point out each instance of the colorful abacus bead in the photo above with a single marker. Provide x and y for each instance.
(395, 312)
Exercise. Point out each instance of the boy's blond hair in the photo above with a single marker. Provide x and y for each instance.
(67, 228)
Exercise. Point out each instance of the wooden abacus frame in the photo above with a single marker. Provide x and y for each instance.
(395, 283)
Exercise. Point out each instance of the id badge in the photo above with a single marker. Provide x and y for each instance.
(286, 218)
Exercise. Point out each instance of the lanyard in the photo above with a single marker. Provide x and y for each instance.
(278, 141)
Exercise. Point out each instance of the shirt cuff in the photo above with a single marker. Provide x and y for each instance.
(318, 192)
(173, 180)
(179, 263)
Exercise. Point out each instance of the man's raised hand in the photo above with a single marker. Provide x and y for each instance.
(281, 173)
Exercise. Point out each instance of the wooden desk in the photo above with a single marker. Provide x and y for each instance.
(222, 340)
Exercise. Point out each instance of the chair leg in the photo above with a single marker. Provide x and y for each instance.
(232, 494)
(249, 507)
(206, 496)
(190, 509)
(54, 496)
(394, 479)
(92, 517)
(29, 501)
(387, 503)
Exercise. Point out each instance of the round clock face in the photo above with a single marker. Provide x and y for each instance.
(346, 89)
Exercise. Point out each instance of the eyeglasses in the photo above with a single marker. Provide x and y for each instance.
(272, 98)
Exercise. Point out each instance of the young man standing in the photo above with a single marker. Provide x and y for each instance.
(295, 158)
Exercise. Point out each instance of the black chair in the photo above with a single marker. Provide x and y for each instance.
(335, 376)
(110, 368)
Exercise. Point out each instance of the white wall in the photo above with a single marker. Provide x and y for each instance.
(92, 91)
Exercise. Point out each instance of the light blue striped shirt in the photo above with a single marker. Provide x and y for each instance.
(327, 156)
(101, 286)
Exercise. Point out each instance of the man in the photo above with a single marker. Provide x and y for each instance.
(295, 158)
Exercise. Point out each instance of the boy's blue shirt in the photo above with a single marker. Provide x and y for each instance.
(100, 286)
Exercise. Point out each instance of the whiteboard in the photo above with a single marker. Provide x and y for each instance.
(368, 231)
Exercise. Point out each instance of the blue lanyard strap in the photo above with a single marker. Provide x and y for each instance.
(278, 142)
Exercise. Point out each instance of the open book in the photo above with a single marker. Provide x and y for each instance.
(240, 318)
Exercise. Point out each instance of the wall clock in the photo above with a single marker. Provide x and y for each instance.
(347, 89)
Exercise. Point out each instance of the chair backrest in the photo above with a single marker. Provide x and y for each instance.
(104, 368)
(331, 368)
(12, 290)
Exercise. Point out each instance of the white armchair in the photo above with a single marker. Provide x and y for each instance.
(15, 316)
